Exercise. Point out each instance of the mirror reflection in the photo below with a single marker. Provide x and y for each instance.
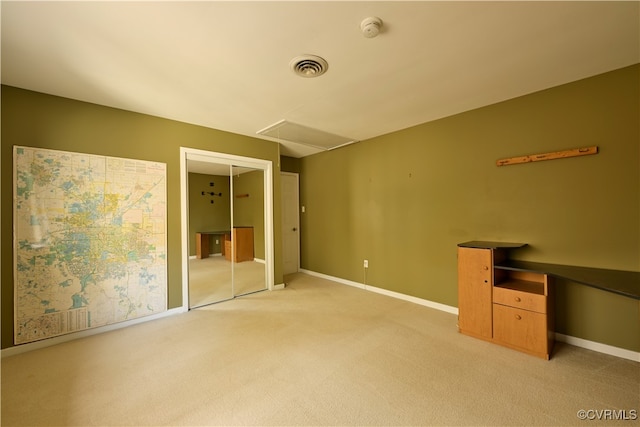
(226, 232)
(210, 273)
(248, 239)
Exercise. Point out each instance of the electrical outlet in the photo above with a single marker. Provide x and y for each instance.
(366, 263)
(217, 242)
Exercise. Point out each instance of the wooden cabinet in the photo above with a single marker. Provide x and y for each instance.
(239, 244)
(475, 277)
(202, 245)
(510, 308)
(523, 313)
(520, 329)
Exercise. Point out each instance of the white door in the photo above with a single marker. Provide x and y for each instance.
(290, 222)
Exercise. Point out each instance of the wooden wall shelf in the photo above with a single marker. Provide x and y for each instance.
(548, 156)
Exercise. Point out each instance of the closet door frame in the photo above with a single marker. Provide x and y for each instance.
(232, 160)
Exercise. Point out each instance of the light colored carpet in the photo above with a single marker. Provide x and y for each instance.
(315, 353)
(210, 279)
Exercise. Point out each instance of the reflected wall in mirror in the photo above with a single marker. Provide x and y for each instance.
(248, 226)
(210, 274)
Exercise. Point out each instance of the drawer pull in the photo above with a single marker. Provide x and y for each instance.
(485, 268)
(518, 299)
(518, 317)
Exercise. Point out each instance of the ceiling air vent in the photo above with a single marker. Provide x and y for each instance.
(309, 66)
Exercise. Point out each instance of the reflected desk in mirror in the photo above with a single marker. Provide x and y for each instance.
(203, 245)
(236, 245)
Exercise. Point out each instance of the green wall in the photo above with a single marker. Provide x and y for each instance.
(249, 211)
(38, 120)
(404, 200)
(207, 216)
(289, 164)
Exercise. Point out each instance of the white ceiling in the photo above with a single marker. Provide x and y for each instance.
(225, 65)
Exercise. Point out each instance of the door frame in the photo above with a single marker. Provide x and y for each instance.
(232, 160)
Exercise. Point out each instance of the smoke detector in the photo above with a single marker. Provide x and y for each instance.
(371, 27)
(309, 66)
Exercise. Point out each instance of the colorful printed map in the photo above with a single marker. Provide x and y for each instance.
(90, 241)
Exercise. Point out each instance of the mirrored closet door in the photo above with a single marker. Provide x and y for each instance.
(248, 261)
(210, 273)
(228, 232)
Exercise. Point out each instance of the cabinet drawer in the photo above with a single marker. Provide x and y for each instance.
(520, 328)
(520, 299)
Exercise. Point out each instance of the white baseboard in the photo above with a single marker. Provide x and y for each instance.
(599, 347)
(578, 342)
(332, 278)
(278, 287)
(23, 348)
(415, 300)
(220, 254)
(196, 256)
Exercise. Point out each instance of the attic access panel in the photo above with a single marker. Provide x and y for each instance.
(299, 134)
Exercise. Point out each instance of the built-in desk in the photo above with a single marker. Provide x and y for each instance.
(240, 250)
(202, 242)
(511, 302)
(626, 283)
